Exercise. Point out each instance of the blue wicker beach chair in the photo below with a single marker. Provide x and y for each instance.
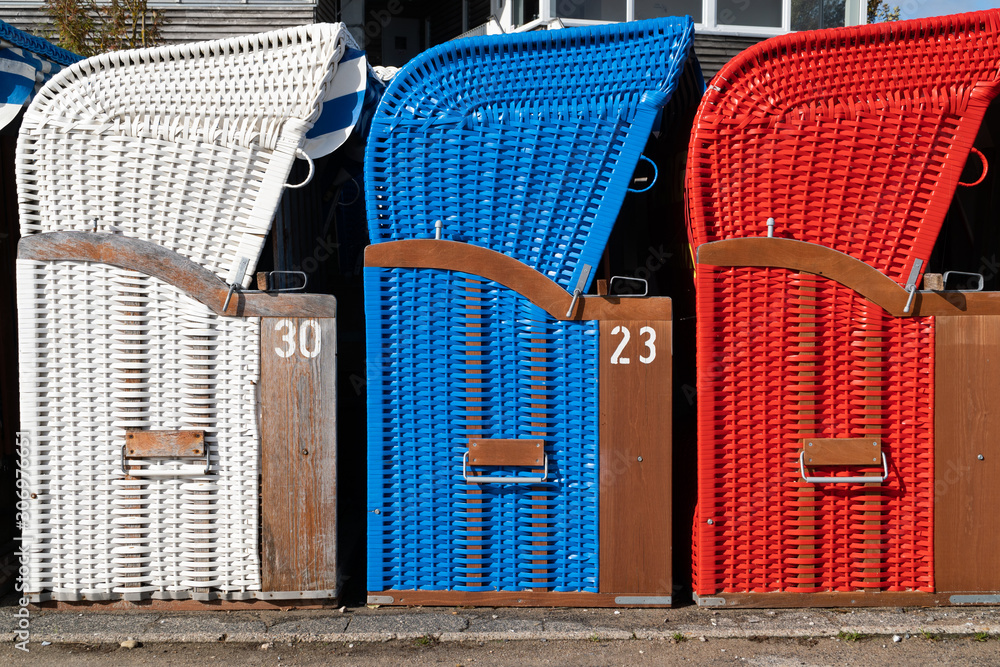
(494, 172)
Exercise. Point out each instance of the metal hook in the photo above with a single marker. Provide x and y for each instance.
(299, 153)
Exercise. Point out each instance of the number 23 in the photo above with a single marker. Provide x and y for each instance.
(650, 344)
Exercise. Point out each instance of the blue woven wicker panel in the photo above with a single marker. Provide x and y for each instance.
(450, 357)
(524, 144)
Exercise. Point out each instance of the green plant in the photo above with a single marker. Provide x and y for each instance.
(89, 27)
(981, 636)
(594, 638)
(850, 636)
(879, 11)
(928, 636)
(678, 637)
(424, 641)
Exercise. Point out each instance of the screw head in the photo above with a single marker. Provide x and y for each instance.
(305, 452)
(711, 522)
(980, 457)
(378, 511)
(639, 459)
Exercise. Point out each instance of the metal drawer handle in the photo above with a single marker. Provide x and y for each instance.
(844, 480)
(503, 480)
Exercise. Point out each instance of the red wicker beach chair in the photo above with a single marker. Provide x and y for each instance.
(816, 353)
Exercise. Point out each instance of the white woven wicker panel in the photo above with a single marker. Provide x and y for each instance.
(188, 146)
(102, 350)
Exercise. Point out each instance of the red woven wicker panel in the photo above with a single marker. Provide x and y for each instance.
(853, 138)
(783, 356)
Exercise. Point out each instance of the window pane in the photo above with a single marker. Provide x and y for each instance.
(648, 9)
(815, 14)
(524, 11)
(595, 10)
(761, 13)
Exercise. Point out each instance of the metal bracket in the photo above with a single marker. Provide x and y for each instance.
(503, 480)
(241, 271)
(964, 273)
(643, 600)
(911, 283)
(581, 281)
(645, 287)
(266, 287)
(708, 602)
(154, 448)
(844, 480)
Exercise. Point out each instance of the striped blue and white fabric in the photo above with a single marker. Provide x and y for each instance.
(26, 63)
(350, 94)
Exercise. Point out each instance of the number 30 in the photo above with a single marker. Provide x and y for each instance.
(288, 338)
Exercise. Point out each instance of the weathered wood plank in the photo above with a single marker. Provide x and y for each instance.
(168, 444)
(154, 260)
(298, 400)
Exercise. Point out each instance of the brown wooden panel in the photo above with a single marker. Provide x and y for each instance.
(299, 453)
(496, 452)
(492, 265)
(842, 451)
(501, 599)
(154, 260)
(950, 304)
(967, 426)
(635, 457)
(168, 444)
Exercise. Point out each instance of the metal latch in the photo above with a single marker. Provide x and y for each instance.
(911, 283)
(578, 290)
(167, 445)
(964, 273)
(505, 453)
(843, 452)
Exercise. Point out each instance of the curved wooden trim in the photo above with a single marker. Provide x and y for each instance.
(172, 268)
(850, 272)
(509, 272)
(808, 258)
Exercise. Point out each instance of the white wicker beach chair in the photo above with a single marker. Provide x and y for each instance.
(128, 162)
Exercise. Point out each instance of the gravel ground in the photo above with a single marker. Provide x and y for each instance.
(878, 650)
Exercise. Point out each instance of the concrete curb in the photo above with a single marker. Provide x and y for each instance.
(485, 625)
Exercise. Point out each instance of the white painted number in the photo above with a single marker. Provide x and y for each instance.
(288, 338)
(308, 328)
(616, 358)
(309, 325)
(650, 344)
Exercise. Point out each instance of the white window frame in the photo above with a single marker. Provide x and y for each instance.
(708, 24)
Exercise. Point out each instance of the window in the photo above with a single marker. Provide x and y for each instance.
(649, 9)
(756, 13)
(766, 17)
(590, 10)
